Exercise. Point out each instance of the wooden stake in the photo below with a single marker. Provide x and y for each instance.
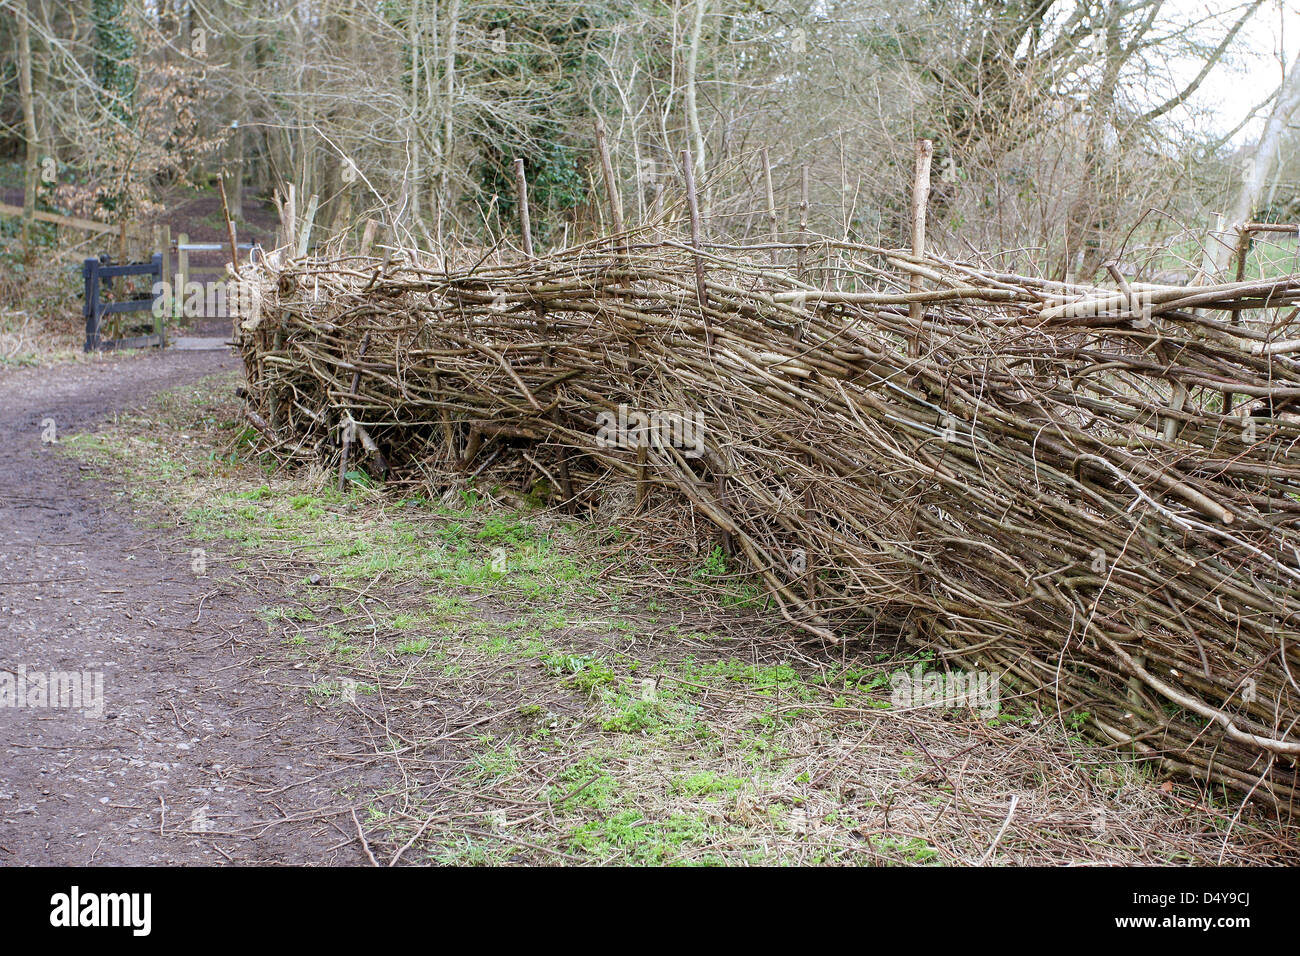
(611, 187)
(289, 219)
(368, 237)
(920, 203)
(720, 492)
(165, 249)
(1207, 274)
(844, 189)
(347, 436)
(548, 357)
(307, 218)
(1241, 250)
(642, 490)
(230, 226)
(525, 227)
(657, 208)
(803, 218)
(182, 269)
(809, 512)
(700, 292)
(771, 201)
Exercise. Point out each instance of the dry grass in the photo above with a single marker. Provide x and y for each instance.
(41, 323)
(38, 326)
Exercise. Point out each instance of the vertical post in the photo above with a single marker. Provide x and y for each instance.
(916, 312)
(289, 219)
(307, 218)
(525, 226)
(700, 292)
(771, 202)
(809, 575)
(920, 203)
(615, 214)
(844, 189)
(347, 426)
(157, 275)
(368, 237)
(165, 250)
(230, 225)
(90, 273)
(1240, 252)
(548, 357)
(611, 187)
(182, 266)
(1208, 273)
(803, 218)
(642, 490)
(720, 491)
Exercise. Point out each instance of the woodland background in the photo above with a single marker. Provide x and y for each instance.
(1065, 131)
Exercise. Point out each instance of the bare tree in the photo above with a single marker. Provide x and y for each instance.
(32, 167)
(1258, 167)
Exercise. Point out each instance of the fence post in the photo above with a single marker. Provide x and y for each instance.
(182, 269)
(611, 186)
(774, 237)
(701, 292)
(525, 224)
(305, 235)
(920, 204)
(803, 220)
(367, 237)
(230, 225)
(156, 260)
(90, 272)
(165, 268)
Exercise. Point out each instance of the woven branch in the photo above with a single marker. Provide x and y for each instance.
(1090, 492)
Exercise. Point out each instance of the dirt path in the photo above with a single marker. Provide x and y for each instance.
(201, 755)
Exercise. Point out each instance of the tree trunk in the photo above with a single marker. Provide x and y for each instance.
(235, 177)
(699, 162)
(1259, 167)
(413, 139)
(29, 125)
(448, 127)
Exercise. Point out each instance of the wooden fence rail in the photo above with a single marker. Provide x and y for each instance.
(90, 225)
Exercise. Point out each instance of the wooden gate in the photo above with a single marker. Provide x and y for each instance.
(99, 274)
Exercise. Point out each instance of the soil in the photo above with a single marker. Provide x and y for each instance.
(203, 754)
